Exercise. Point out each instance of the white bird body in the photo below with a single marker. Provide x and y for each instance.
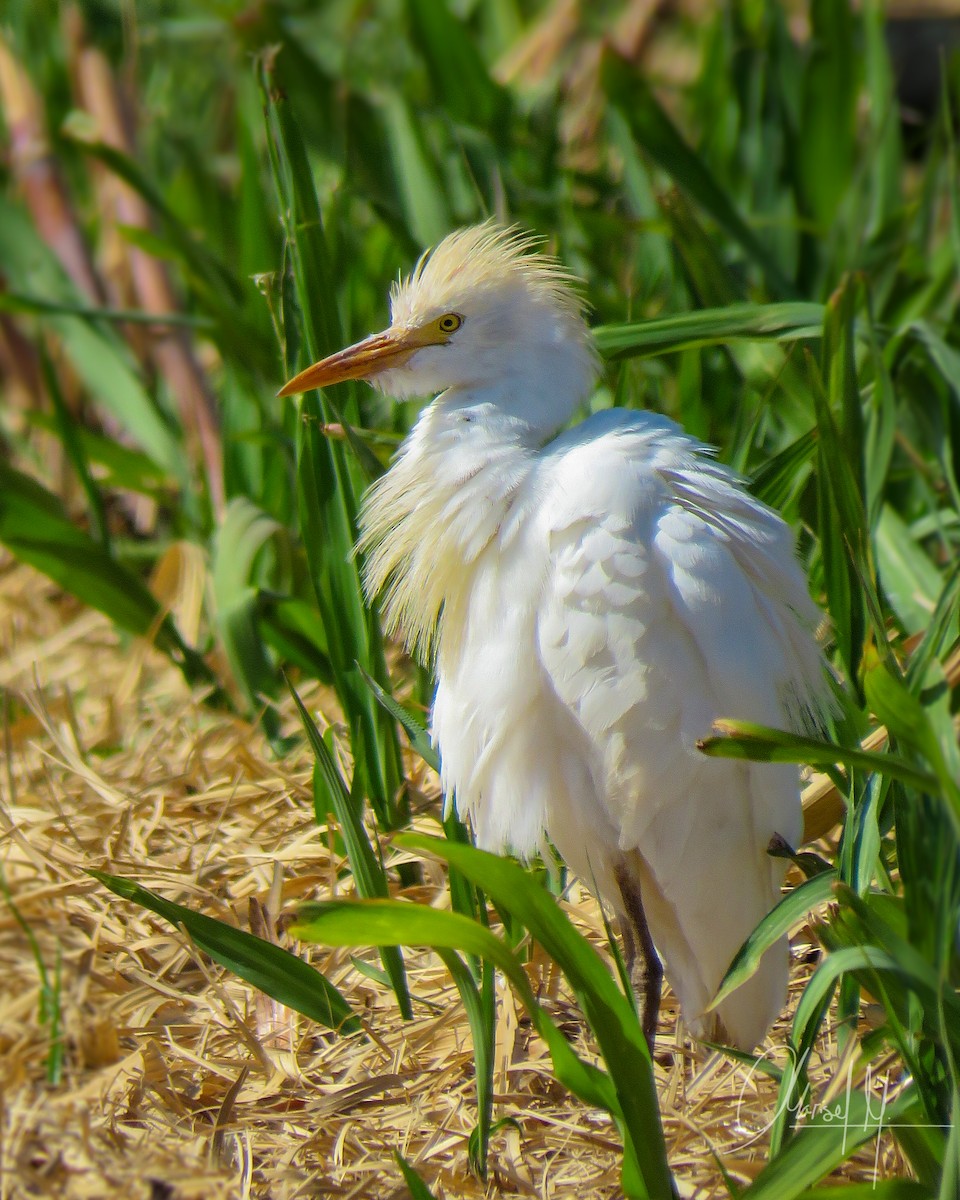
(594, 602)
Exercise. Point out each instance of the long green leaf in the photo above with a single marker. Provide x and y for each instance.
(264, 965)
(789, 321)
(36, 530)
(652, 127)
(759, 743)
(611, 1016)
(392, 922)
(368, 873)
(326, 491)
(779, 921)
(825, 1143)
(460, 78)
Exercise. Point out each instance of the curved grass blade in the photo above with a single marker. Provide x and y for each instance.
(483, 1031)
(787, 321)
(826, 1142)
(609, 1012)
(628, 91)
(415, 1186)
(760, 743)
(393, 922)
(368, 873)
(36, 530)
(266, 966)
(788, 911)
(417, 733)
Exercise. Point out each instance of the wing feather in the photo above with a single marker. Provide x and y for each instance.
(673, 598)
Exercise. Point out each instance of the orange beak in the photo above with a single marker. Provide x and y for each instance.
(374, 354)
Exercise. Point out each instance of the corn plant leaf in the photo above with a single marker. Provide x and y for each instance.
(759, 743)
(627, 89)
(788, 321)
(266, 966)
(368, 873)
(398, 922)
(609, 1012)
(779, 921)
(36, 530)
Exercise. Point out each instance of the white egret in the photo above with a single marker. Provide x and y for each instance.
(592, 602)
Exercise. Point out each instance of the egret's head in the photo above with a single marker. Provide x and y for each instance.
(482, 312)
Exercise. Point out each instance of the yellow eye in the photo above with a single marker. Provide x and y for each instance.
(449, 323)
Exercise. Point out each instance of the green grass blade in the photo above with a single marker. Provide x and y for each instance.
(711, 281)
(461, 82)
(421, 193)
(790, 321)
(824, 151)
(780, 477)
(295, 632)
(35, 529)
(626, 89)
(909, 721)
(69, 436)
(368, 873)
(419, 737)
(825, 1143)
(99, 358)
(786, 913)
(841, 510)
(392, 922)
(266, 966)
(759, 743)
(415, 1186)
(483, 1030)
(15, 302)
(910, 580)
(326, 492)
(122, 466)
(610, 1013)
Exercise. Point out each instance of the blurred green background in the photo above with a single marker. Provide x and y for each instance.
(761, 199)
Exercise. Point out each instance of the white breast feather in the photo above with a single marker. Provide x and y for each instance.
(633, 594)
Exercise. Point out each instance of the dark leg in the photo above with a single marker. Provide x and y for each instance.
(646, 971)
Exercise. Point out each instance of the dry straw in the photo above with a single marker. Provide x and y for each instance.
(178, 1080)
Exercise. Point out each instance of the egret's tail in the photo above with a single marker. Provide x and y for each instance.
(744, 1017)
(699, 920)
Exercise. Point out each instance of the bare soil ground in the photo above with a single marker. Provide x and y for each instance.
(179, 1081)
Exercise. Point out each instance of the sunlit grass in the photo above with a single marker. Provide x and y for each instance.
(766, 264)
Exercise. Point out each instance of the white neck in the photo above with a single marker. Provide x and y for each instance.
(425, 523)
